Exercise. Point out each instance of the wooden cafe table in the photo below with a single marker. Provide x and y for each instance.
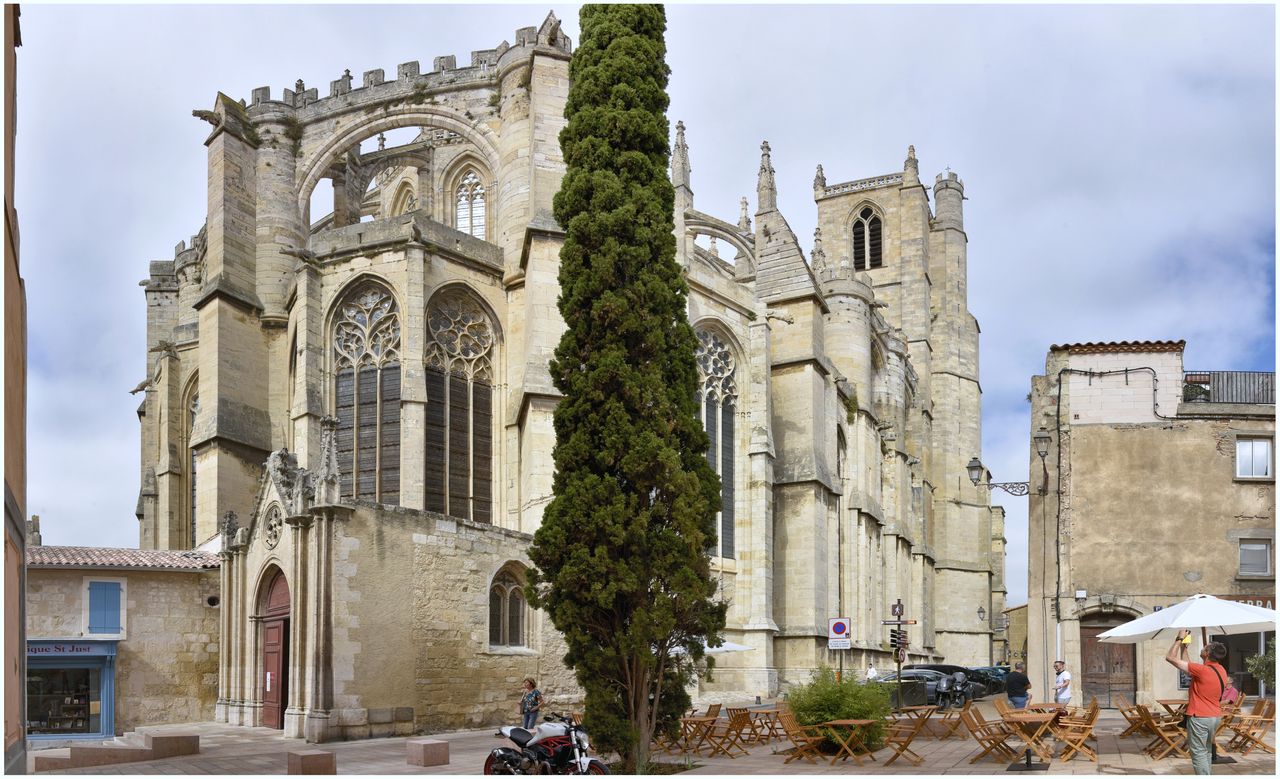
(1033, 727)
(1175, 706)
(767, 724)
(694, 731)
(853, 743)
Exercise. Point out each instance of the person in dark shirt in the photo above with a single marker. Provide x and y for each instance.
(1018, 686)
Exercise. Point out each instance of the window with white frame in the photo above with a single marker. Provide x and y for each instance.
(1255, 557)
(1253, 458)
(104, 607)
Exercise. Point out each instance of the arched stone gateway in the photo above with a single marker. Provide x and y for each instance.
(274, 612)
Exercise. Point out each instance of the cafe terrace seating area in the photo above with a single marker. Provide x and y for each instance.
(982, 737)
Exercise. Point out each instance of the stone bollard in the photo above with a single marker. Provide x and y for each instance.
(312, 761)
(427, 751)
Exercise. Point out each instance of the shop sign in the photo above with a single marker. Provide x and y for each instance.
(1263, 601)
(70, 648)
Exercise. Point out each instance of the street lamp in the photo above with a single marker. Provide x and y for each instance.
(982, 614)
(976, 469)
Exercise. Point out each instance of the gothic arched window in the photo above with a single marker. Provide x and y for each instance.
(469, 199)
(507, 610)
(719, 396)
(193, 406)
(867, 242)
(366, 345)
(459, 434)
(404, 201)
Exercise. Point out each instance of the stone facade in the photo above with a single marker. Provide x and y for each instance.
(389, 364)
(167, 658)
(1144, 496)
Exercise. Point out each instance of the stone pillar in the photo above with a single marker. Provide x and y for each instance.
(318, 726)
(278, 226)
(309, 388)
(299, 620)
(232, 432)
(226, 619)
(341, 206)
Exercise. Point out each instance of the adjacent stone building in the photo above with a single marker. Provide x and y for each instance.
(118, 638)
(1161, 485)
(355, 408)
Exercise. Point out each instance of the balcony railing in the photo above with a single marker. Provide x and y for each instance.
(1229, 387)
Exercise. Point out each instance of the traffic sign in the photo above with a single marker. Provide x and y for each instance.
(838, 633)
(896, 609)
(897, 622)
(902, 655)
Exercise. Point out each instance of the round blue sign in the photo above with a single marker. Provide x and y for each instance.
(839, 628)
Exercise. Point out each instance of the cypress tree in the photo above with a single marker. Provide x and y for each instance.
(623, 554)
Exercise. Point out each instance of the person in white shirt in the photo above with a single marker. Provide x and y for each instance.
(1062, 683)
(872, 673)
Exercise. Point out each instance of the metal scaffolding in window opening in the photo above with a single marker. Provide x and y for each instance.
(1229, 387)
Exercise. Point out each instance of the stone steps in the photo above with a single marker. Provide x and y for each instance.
(122, 749)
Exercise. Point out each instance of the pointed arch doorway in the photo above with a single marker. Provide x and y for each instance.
(274, 610)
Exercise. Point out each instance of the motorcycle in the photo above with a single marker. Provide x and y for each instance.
(952, 691)
(556, 746)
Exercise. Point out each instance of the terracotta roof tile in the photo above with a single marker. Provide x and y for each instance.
(1109, 347)
(105, 557)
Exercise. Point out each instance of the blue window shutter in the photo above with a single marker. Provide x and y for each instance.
(104, 607)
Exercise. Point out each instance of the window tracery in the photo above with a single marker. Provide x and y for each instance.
(459, 425)
(470, 205)
(718, 395)
(366, 344)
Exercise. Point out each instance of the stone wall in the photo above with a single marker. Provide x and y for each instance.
(167, 663)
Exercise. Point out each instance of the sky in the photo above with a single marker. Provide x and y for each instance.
(1119, 169)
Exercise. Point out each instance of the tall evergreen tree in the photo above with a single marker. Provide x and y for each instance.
(623, 555)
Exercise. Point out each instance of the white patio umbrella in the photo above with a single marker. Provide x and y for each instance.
(727, 646)
(1226, 617)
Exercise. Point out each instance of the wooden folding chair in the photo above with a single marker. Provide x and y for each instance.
(1003, 706)
(947, 723)
(1170, 737)
(899, 733)
(1073, 735)
(1251, 729)
(1130, 713)
(804, 740)
(1089, 718)
(991, 736)
(725, 736)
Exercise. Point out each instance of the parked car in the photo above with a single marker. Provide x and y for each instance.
(998, 673)
(929, 677)
(980, 684)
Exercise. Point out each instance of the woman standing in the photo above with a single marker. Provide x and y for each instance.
(530, 703)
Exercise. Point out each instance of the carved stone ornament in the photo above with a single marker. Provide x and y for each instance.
(461, 337)
(715, 363)
(271, 530)
(229, 524)
(368, 331)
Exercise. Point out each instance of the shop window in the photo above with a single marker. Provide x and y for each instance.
(105, 612)
(64, 701)
(1255, 557)
(1253, 458)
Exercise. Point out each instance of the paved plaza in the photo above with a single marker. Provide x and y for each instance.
(237, 750)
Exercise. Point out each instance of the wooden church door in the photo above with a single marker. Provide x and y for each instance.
(275, 652)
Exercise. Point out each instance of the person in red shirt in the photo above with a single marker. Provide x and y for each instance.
(1208, 680)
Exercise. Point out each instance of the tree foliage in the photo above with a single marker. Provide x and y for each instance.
(824, 699)
(1263, 667)
(622, 556)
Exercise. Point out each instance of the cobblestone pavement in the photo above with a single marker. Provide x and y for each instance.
(238, 750)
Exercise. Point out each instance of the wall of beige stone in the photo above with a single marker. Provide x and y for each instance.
(167, 662)
(1151, 510)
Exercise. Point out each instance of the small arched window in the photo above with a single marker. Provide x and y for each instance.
(405, 200)
(719, 396)
(366, 345)
(507, 612)
(867, 240)
(193, 407)
(469, 199)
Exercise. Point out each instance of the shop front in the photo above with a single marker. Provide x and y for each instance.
(71, 689)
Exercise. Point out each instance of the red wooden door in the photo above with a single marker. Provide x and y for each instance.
(275, 652)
